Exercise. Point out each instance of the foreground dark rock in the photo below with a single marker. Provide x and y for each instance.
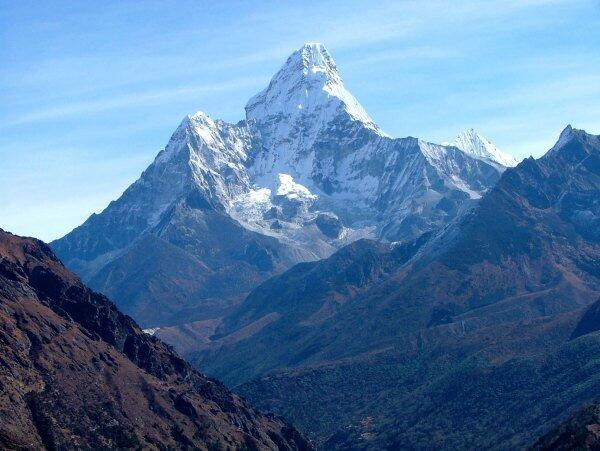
(75, 373)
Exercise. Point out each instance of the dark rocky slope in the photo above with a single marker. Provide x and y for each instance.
(460, 342)
(195, 263)
(581, 430)
(75, 373)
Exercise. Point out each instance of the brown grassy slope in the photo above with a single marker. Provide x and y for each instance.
(77, 374)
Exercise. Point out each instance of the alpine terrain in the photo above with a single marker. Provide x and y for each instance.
(582, 429)
(226, 206)
(78, 374)
(483, 334)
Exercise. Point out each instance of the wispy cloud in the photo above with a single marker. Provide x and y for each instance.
(124, 101)
(404, 54)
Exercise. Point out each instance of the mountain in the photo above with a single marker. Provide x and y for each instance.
(167, 244)
(456, 339)
(226, 206)
(477, 145)
(76, 373)
(582, 429)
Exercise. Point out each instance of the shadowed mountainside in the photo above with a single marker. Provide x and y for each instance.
(76, 373)
(458, 339)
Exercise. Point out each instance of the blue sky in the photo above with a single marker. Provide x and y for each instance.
(91, 91)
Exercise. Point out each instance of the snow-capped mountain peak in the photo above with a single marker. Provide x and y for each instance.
(308, 84)
(480, 147)
(315, 58)
(306, 173)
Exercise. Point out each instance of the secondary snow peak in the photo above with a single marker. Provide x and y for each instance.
(477, 145)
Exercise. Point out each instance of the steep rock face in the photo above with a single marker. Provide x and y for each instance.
(76, 373)
(165, 246)
(481, 313)
(194, 265)
(306, 153)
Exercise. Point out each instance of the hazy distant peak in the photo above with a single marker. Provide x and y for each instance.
(479, 146)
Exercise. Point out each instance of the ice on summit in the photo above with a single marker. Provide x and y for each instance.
(308, 84)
